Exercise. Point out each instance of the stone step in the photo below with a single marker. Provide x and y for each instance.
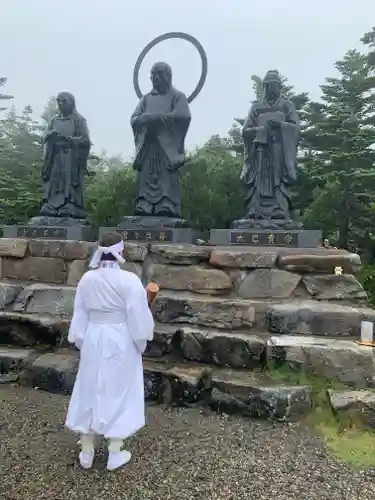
(26, 330)
(300, 317)
(313, 317)
(339, 360)
(231, 349)
(357, 406)
(168, 382)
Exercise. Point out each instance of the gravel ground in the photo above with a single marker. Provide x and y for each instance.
(182, 454)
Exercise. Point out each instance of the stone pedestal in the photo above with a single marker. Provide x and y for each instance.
(267, 237)
(53, 228)
(155, 229)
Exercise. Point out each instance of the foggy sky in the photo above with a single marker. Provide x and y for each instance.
(89, 48)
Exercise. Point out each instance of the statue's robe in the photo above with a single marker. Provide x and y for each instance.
(65, 165)
(160, 152)
(270, 159)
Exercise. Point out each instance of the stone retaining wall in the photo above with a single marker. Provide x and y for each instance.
(243, 272)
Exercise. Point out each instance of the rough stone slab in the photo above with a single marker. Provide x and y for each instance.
(235, 350)
(133, 267)
(63, 249)
(257, 237)
(13, 359)
(358, 405)
(76, 270)
(135, 251)
(52, 372)
(203, 311)
(244, 258)
(268, 283)
(180, 384)
(24, 330)
(186, 384)
(254, 396)
(162, 342)
(42, 269)
(326, 287)
(46, 299)
(312, 317)
(320, 261)
(181, 254)
(190, 278)
(8, 293)
(13, 247)
(342, 360)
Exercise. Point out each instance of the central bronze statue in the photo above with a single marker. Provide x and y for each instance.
(160, 124)
(270, 132)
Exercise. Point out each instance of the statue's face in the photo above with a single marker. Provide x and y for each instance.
(272, 90)
(65, 104)
(160, 78)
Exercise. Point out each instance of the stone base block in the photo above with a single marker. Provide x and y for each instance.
(266, 238)
(137, 222)
(53, 228)
(176, 235)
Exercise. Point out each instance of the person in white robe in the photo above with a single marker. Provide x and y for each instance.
(111, 325)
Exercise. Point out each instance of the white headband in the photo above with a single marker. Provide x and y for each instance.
(115, 250)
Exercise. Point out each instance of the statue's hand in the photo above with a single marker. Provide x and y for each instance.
(274, 123)
(51, 133)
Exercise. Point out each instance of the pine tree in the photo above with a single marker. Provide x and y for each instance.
(340, 156)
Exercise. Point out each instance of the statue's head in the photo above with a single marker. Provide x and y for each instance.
(161, 77)
(66, 103)
(272, 84)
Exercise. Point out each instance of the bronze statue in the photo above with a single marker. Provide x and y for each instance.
(67, 147)
(160, 124)
(270, 133)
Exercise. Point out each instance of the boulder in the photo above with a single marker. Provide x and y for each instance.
(162, 342)
(13, 247)
(190, 278)
(203, 310)
(342, 360)
(76, 269)
(8, 293)
(311, 317)
(46, 299)
(52, 372)
(13, 359)
(342, 287)
(135, 252)
(252, 395)
(133, 267)
(244, 258)
(24, 330)
(235, 350)
(268, 283)
(356, 405)
(47, 270)
(179, 384)
(63, 249)
(180, 254)
(319, 260)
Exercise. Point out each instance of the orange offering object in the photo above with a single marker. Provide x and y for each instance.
(152, 290)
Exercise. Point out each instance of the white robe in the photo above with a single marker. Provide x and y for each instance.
(111, 325)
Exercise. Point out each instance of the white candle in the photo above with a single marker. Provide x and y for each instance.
(367, 332)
